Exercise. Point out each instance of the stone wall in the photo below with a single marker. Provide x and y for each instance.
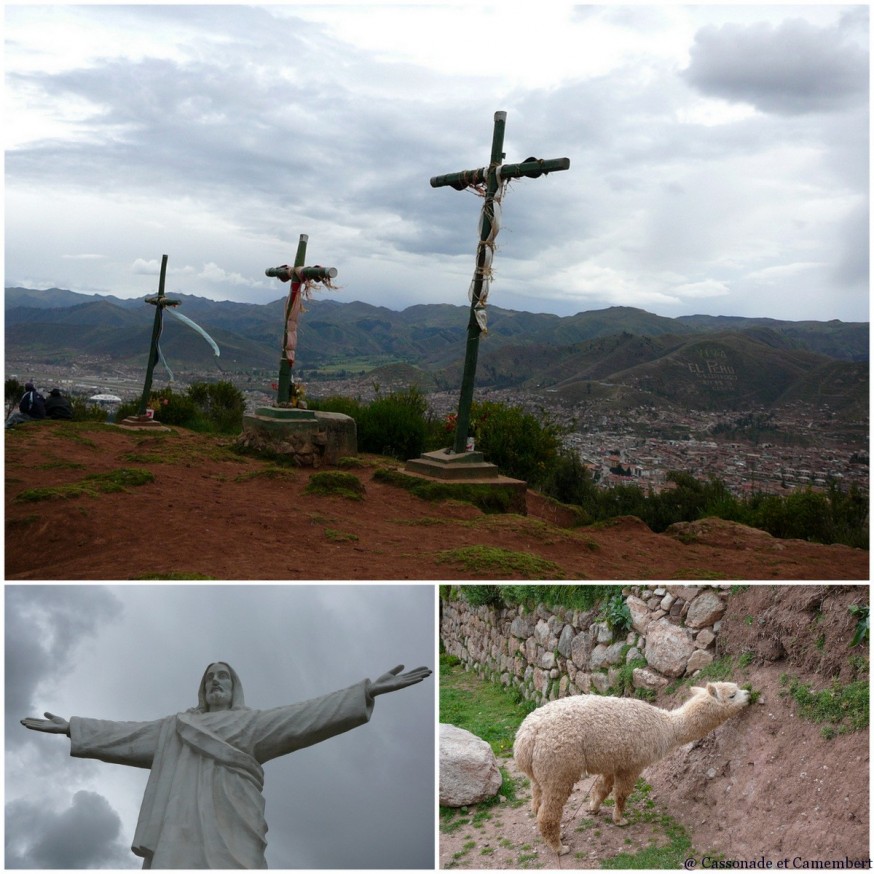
(549, 653)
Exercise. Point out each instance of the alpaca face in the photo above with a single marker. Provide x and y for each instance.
(728, 695)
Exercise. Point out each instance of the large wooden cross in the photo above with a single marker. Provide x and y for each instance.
(298, 274)
(160, 301)
(492, 177)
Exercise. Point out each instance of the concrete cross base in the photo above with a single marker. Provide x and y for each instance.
(449, 465)
(514, 490)
(286, 414)
(309, 438)
(142, 422)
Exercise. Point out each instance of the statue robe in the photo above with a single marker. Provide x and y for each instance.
(203, 806)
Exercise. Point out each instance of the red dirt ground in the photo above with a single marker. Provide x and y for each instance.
(211, 513)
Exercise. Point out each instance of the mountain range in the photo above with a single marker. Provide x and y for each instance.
(691, 361)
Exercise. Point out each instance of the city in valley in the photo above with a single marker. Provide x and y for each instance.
(775, 450)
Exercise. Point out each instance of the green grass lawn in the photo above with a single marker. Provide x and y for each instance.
(486, 709)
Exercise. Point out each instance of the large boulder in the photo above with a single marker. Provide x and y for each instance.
(668, 648)
(469, 771)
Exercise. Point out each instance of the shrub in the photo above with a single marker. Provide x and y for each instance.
(222, 403)
(85, 412)
(520, 444)
(394, 425)
(212, 407)
(13, 391)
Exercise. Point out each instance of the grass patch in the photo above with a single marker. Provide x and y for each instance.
(59, 465)
(271, 471)
(489, 499)
(13, 525)
(493, 561)
(641, 809)
(336, 483)
(336, 536)
(422, 520)
(77, 432)
(842, 709)
(96, 483)
(146, 458)
(698, 574)
(175, 575)
(488, 710)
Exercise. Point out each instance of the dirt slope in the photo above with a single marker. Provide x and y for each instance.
(212, 513)
(764, 785)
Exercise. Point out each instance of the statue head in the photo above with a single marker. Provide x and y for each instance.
(220, 689)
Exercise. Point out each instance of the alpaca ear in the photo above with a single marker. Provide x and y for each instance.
(712, 690)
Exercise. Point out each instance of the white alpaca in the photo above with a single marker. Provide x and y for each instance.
(615, 738)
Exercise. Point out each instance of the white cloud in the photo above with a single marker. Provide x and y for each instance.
(213, 273)
(705, 289)
(146, 268)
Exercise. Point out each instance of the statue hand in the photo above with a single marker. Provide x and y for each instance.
(52, 724)
(391, 682)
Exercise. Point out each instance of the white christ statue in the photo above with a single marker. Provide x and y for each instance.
(203, 806)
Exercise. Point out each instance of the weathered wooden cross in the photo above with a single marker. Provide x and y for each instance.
(298, 274)
(160, 302)
(492, 176)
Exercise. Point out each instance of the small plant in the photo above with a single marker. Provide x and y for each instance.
(616, 614)
(754, 694)
(860, 611)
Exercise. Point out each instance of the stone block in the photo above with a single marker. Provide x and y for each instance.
(706, 609)
(644, 678)
(668, 648)
(310, 438)
(698, 660)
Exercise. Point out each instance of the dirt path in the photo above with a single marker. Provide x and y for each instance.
(211, 513)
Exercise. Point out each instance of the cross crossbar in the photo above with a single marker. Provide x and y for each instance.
(531, 167)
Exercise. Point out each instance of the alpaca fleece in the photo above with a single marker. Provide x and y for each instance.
(615, 738)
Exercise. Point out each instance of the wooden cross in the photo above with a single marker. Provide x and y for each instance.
(160, 302)
(298, 274)
(491, 177)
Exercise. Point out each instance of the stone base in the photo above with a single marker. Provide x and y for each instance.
(309, 437)
(142, 422)
(449, 465)
(467, 468)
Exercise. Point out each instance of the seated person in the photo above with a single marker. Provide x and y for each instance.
(57, 406)
(32, 406)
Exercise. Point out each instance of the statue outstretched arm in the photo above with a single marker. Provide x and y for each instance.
(393, 680)
(51, 724)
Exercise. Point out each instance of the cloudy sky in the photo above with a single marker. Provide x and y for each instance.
(362, 799)
(719, 154)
